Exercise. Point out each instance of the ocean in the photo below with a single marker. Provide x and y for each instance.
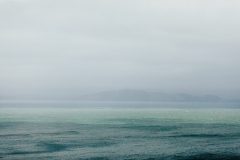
(119, 130)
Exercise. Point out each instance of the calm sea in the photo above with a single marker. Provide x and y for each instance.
(119, 130)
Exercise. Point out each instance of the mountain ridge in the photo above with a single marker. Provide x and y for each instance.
(140, 95)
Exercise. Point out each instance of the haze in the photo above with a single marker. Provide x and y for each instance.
(59, 49)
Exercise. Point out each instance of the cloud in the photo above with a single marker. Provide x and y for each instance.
(119, 44)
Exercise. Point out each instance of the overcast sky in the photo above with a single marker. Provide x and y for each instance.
(71, 47)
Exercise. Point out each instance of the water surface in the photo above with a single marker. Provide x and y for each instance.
(119, 130)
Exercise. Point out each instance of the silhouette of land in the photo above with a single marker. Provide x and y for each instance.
(139, 95)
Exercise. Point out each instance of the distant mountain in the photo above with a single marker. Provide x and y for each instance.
(138, 95)
(234, 100)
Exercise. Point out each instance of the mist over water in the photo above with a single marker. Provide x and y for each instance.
(68, 50)
(107, 130)
(60, 50)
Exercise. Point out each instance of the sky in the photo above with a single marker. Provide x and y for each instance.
(66, 48)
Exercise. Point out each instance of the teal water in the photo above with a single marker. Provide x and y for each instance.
(119, 130)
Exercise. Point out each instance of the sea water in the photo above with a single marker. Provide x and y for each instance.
(119, 130)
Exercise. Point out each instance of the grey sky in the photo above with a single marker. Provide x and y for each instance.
(71, 46)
